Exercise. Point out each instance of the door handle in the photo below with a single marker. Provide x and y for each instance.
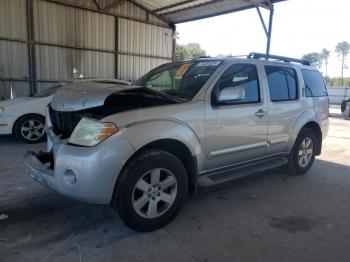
(260, 113)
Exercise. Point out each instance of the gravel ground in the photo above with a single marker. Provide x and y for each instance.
(266, 217)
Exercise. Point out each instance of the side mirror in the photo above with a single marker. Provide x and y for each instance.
(231, 94)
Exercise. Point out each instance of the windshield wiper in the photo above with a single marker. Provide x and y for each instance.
(165, 95)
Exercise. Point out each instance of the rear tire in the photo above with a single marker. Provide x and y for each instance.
(30, 129)
(302, 156)
(151, 190)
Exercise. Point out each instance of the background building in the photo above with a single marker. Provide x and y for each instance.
(41, 42)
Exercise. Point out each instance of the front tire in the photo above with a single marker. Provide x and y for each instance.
(302, 156)
(30, 129)
(151, 190)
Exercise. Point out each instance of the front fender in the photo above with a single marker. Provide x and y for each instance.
(144, 132)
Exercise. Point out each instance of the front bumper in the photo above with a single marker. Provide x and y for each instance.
(37, 169)
(84, 173)
(6, 124)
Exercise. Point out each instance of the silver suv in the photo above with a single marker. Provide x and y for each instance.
(143, 148)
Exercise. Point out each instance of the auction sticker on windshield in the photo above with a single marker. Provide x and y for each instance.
(208, 63)
(182, 70)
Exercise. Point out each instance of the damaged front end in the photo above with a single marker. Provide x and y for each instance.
(85, 151)
(73, 165)
(40, 167)
(86, 173)
(72, 104)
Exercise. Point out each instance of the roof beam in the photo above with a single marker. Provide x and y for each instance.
(135, 2)
(113, 5)
(59, 2)
(263, 3)
(267, 4)
(215, 14)
(262, 20)
(269, 32)
(97, 4)
(173, 5)
(192, 7)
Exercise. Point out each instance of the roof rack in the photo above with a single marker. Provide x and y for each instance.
(279, 58)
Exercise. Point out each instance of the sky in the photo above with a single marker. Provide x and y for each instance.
(299, 27)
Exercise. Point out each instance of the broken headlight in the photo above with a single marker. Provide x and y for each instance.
(90, 132)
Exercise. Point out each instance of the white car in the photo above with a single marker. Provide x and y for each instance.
(24, 117)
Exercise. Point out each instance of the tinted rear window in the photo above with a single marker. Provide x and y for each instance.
(282, 83)
(314, 84)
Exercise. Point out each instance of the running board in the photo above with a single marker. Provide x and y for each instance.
(218, 177)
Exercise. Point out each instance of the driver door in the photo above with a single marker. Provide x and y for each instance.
(236, 129)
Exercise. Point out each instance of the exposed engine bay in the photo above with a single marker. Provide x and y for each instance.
(64, 122)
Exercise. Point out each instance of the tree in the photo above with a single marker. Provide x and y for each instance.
(314, 58)
(180, 53)
(325, 56)
(336, 81)
(343, 49)
(188, 51)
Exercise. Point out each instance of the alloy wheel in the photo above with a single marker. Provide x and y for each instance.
(154, 193)
(305, 152)
(32, 130)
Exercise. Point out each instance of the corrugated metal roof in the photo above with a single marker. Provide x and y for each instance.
(179, 11)
(171, 11)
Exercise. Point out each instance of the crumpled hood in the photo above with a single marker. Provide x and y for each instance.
(99, 100)
(84, 95)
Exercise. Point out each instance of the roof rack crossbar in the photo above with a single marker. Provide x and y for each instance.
(279, 58)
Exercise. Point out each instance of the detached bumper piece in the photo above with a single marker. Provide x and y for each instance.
(40, 167)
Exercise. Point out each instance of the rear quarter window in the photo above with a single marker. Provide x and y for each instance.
(314, 84)
(283, 84)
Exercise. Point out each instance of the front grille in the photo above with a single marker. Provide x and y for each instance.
(64, 122)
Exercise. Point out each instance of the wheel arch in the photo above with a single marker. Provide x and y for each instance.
(315, 127)
(308, 119)
(178, 149)
(25, 115)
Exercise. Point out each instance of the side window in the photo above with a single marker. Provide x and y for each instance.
(282, 83)
(161, 81)
(242, 76)
(314, 84)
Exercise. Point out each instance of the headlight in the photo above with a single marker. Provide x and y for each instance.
(90, 132)
(2, 110)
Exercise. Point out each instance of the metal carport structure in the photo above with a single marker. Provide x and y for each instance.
(41, 41)
(180, 11)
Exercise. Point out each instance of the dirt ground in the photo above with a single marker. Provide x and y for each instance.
(266, 217)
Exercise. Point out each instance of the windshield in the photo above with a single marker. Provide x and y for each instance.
(47, 91)
(179, 80)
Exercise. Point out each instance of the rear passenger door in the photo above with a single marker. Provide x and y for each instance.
(284, 105)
